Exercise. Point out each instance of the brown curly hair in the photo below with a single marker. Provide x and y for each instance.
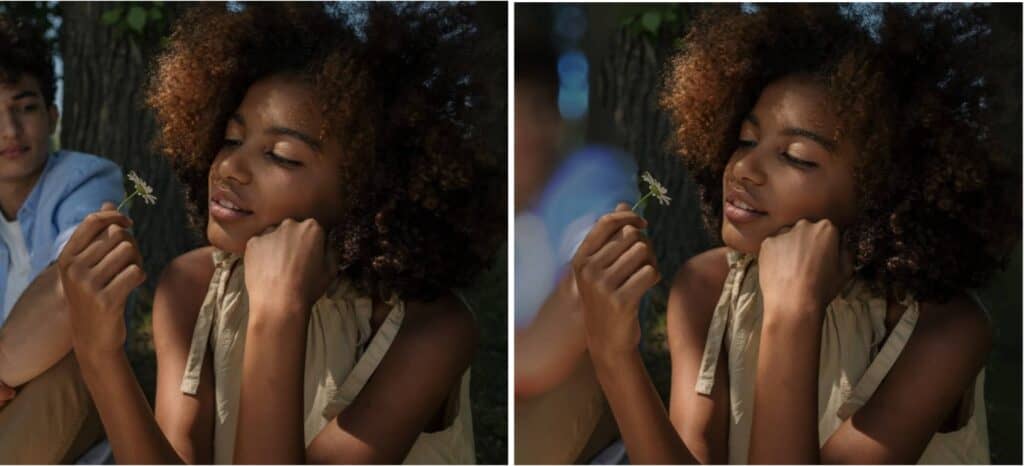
(404, 87)
(938, 201)
(24, 50)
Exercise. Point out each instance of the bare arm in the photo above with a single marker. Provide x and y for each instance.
(938, 365)
(181, 430)
(431, 352)
(695, 429)
(37, 333)
(800, 272)
(552, 345)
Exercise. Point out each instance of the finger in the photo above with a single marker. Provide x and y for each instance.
(638, 284)
(102, 245)
(618, 244)
(605, 227)
(7, 393)
(93, 224)
(638, 255)
(123, 255)
(108, 206)
(124, 282)
(622, 207)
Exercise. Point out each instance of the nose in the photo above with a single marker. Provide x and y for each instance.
(746, 166)
(10, 126)
(232, 164)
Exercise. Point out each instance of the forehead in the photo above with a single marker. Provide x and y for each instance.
(24, 83)
(798, 102)
(282, 101)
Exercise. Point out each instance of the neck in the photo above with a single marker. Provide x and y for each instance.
(13, 194)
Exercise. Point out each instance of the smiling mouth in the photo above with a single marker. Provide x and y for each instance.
(744, 206)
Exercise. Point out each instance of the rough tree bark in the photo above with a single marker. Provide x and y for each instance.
(628, 86)
(103, 113)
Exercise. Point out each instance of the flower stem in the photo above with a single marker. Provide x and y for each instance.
(125, 201)
(641, 201)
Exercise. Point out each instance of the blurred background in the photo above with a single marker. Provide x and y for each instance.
(103, 56)
(588, 75)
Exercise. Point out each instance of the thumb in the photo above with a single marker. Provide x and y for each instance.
(622, 207)
(108, 206)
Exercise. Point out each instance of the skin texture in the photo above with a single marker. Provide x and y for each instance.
(801, 268)
(286, 187)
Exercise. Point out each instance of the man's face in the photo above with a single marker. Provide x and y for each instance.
(26, 123)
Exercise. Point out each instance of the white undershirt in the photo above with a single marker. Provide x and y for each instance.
(20, 272)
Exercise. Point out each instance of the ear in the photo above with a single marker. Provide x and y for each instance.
(54, 117)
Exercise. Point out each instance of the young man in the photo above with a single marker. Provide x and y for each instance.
(46, 415)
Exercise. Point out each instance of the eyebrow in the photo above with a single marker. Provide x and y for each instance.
(25, 94)
(285, 131)
(827, 143)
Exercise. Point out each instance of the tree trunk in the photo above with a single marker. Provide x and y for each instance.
(628, 86)
(105, 74)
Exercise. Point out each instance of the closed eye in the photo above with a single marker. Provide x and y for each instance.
(797, 161)
(282, 160)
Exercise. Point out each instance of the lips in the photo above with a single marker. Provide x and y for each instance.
(739, 208)
(13, 151)
(225, 206)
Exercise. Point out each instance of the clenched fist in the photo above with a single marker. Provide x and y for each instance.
(286, 268)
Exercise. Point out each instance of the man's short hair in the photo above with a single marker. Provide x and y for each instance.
(25, 51)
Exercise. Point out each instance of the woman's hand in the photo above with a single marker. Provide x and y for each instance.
(802, 267)
(286, 268)
(99, 267)
(613, 268)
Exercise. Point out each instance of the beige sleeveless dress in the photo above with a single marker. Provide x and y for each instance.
(340, 358)
(855, 357)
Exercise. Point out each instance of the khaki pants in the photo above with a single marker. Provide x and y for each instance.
(568, 424)
(51, 419)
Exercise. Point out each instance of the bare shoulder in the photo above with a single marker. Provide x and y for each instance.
(445, 319)
(955, 331)
(181, 289)
(698, 283)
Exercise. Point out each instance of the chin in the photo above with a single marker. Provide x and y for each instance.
(736, 240)
(223, 240)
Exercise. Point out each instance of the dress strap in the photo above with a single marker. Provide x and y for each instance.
(374, 353)
(883, 362)
(720, 321)
(223, 263)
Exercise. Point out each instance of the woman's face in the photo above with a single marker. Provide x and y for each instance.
(273, 165)
(788, 166)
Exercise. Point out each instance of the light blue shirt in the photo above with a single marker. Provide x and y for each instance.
(587, 184)
(71, 186)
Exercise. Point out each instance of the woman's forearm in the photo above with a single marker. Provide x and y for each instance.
(644, 423)
(134, 434)
(270, 413)
(785, 417)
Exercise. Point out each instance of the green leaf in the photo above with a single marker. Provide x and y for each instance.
(112, 15)
(136, 18)
(155, 14)
(651, 20)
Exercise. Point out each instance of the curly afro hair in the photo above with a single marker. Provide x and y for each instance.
(407, 89)
(25, 51)
(938, 200)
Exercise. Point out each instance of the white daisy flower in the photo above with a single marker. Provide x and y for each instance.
(141, 189)
(655, 190)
